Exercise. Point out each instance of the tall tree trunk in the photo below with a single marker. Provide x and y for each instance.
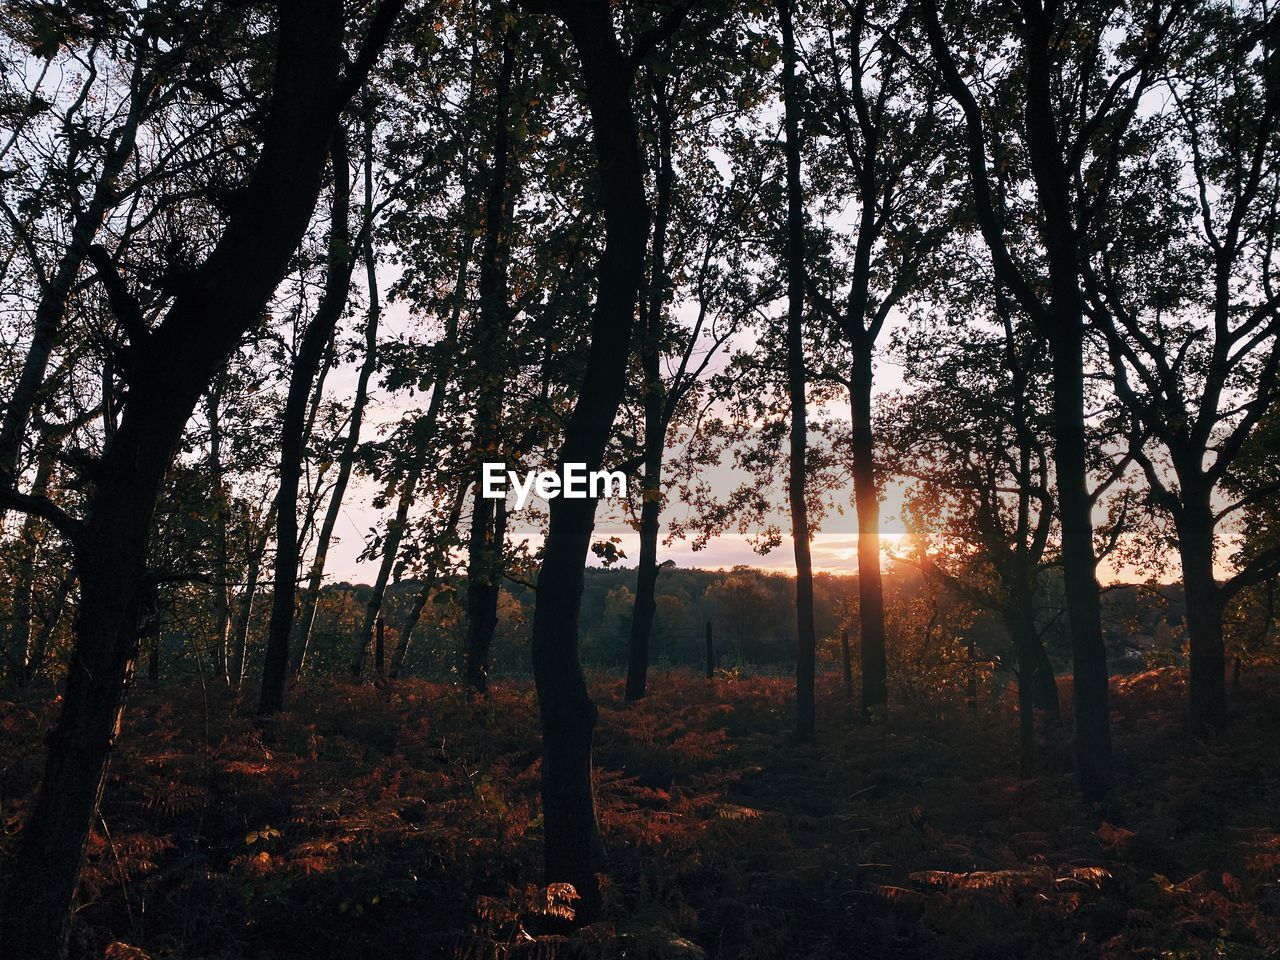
(237, 655)
(306, 364)
(390, 551)
(1205, 605)
(346, 459)
(655, 426)
(806, 640)
(1034, 672)
(1061, 322)
(430, 580)
(221, 595)
(572, 848)
(1084, 611)
(1065, 332)
(866, 495)
(40, 645)
(484, 546)
(180, 357)
(25, 575)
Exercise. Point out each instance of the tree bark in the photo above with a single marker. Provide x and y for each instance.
(221, 598)
(227, 294)
(430, 581)
(573, 851)
(293, 439)
(239, 645)
(1205, 604)
(806, 640)
(346, 460)
(484, 545)
(655, 422)
(25, 575)
(866, 495)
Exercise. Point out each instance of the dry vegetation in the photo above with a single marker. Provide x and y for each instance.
(398, 821)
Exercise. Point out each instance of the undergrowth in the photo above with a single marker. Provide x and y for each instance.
(400, 820)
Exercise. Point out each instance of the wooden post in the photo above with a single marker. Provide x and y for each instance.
(848, 665)
(378, 644)
(711, 653)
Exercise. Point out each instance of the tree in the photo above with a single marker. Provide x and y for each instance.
(973, 435)
(573, 850)
(807, 643)
(171, 364)
(1068, 129)
(885, 140)
(1180, 286)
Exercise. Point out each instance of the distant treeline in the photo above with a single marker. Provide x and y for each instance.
(751, 613)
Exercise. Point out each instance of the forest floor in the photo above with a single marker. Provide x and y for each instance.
(399, 821)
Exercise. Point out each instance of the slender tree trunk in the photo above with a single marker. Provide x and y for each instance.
(390, 551)
(346, 460)
(484, 546)
(1084, 612)
(40, 645)
(866, 496)
(1020, 622)
(25, 575)
(1205, 606)
(655, 426)
(806, 641)
(430, 580)
(316, 340)
(149, 631)
(573, 850)
(221, 597)
(711, 653)
(239, 644)
(1065, 332)
(848, 664)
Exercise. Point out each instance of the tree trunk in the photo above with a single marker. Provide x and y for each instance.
(346, 459)
(239, 645)
(1032, 661)
(806, 641)
(573, 851)
(484, 545)
(711, 653)
(871, 633)
(221, 599)
(181, 355)
(848, 664)
(40, 645)
(306, 365)
(1063, 325)
(25, 575)
(429, 582)
(149, 631)
(655, 426)
(1084, 613)
(1205, 605)
(390, 550)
